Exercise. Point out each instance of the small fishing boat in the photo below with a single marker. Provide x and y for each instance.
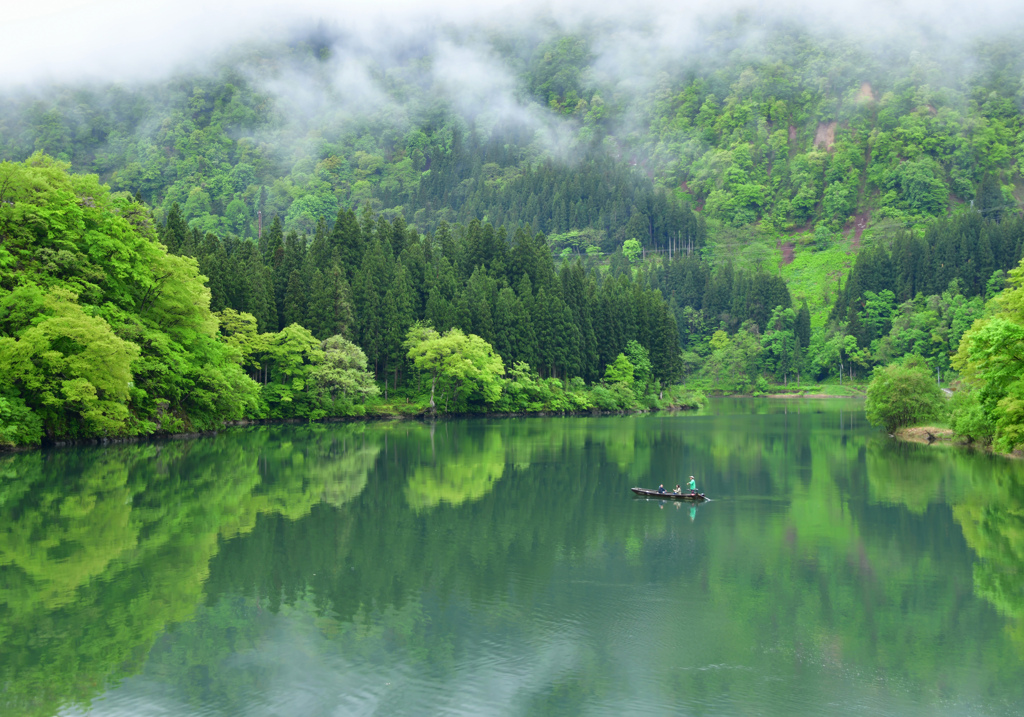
(669, 495)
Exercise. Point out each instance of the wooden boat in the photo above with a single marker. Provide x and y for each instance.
(669, 495)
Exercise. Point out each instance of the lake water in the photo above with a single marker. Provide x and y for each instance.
(502, 567)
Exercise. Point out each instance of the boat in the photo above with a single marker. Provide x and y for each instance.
(668, 495)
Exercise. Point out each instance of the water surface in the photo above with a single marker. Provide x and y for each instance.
(502, 567)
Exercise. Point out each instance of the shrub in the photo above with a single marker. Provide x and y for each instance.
(900, 395)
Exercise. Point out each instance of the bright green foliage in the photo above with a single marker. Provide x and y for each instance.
(900, 395)
(19, 425)
(72, 368)
(631, 248)
(643, 375)
(930, 327)
(292, 354)
(341, 375)
(780, 344)
(464, 367)
(991, 364)
(523, 390)
(526, 391)
(102, 331)
(238, 329)
(620, 372)
(968, 418)
(621, 387)
(733, 363)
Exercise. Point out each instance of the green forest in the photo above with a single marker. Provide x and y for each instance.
(769, 212)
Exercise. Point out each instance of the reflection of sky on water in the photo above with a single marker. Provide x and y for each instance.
(637, 636)
(821, 575)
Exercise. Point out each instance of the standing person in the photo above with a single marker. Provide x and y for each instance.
(692, 485)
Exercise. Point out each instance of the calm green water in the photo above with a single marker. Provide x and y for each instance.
(504, 568)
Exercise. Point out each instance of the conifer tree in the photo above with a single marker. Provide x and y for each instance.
(294, 300)
(399, 230)
(523, 257)
(414, 260)
(803, 326)
(319, 253)
(213, 264)
(272, 242)
(368, 296)
(175, 230)
(347, 239)
(445, 241)
(480, 297)
(258, 292)
(574, 292)
(568, 352)
(514, 337)
(329, 308)
(666, 361)
(546, 327)
(441, 294)
(397, 317)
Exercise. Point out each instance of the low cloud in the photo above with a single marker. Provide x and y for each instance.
(126, 40)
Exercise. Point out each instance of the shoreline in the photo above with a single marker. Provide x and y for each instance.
(935, 436)
(712, 394)
(928, 435)
(808, 395)
(374, 417)
(367, 418)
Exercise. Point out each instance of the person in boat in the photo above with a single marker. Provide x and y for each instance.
(692, 485)
(678, 490)
(661, 488)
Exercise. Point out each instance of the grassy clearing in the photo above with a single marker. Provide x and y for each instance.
(815, 275)
(822, 389)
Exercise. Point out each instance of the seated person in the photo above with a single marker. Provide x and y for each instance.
(661, 488)
(678, 489)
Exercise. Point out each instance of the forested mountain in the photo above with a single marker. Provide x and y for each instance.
(784, 125)
(583, 214)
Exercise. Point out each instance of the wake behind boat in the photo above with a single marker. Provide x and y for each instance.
(668, 495)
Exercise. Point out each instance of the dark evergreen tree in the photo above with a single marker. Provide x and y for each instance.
(294, 300)
(803, 326)
(441, 295)
(175, 230)
(514, 337)
(347, 240)
(272, 242)
(579, 300)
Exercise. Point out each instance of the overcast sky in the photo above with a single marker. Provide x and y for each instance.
(122, 40)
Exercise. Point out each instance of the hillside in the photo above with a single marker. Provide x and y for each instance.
(775, 203)
(790, 128)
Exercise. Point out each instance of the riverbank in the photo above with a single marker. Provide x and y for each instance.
(808, 395)
(928, 435)
(819, 392)
(942, 436)
(370, 417)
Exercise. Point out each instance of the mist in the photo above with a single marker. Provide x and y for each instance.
(335, 72)
(62, 41)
